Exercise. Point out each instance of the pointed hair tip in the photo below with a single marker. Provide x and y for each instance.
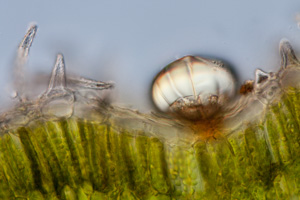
(259, 71)
(284, 43)
(32, 26)
(60, 58)
(59, 55)
(112, 85)
(59, 62)
(284, 40)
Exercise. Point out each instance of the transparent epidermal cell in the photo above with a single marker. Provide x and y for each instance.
(290, 66)
(23, 112)
(58, 100)
(86, 83)
(193, 87)
(20, 62)
(287, 54)
(87, 89)
(268, 86)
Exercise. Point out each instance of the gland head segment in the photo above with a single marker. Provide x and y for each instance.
(193, 87)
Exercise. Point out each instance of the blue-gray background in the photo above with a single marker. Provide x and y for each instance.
(130, 41)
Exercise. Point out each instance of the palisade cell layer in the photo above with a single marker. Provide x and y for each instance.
(68, 144)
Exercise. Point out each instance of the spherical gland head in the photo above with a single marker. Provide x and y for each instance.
(194, 88)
